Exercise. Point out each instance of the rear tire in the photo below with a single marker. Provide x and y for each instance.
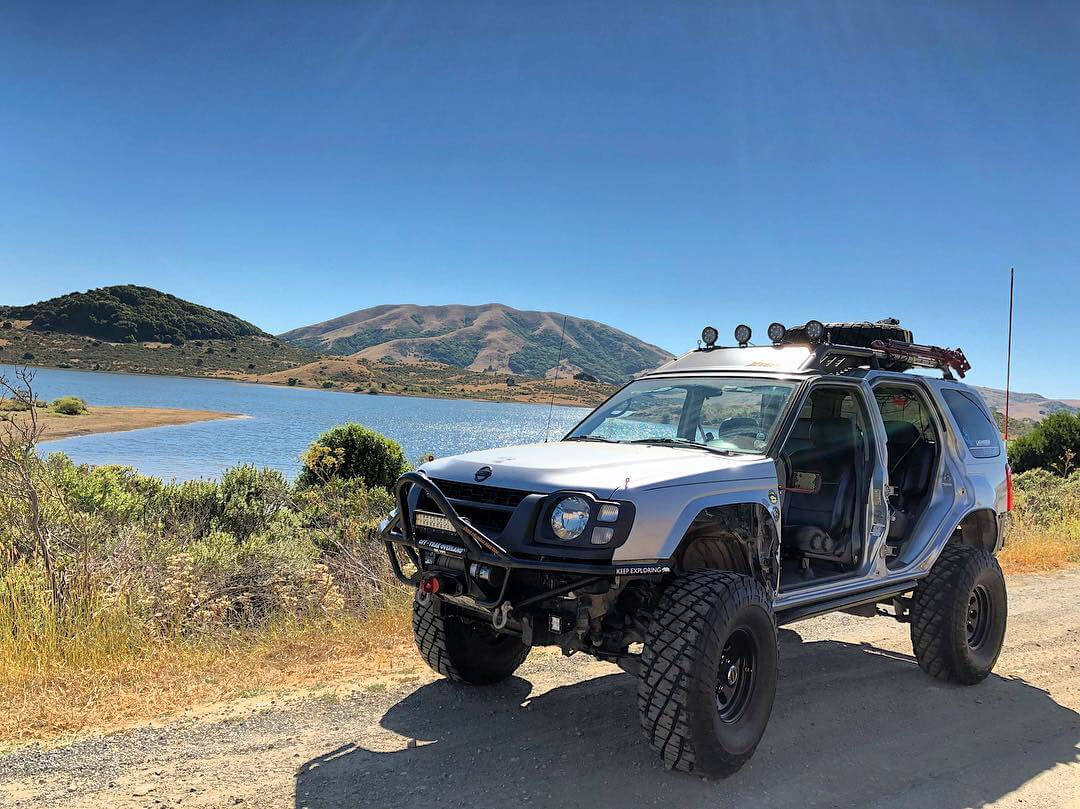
(464, 651)
(708, 672)
(958, 616)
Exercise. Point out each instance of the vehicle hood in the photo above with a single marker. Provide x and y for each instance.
(602, 469)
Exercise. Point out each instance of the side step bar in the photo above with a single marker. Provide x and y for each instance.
(797, 613)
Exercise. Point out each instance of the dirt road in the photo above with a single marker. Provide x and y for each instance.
(855, 724)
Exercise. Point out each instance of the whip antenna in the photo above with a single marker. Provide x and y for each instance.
(1008, 354)
(555, 380)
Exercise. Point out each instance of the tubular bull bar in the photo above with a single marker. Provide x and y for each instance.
(477, 549)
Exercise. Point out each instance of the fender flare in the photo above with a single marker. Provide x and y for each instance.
(981, 528)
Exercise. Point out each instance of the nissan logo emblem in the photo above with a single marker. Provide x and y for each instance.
(483, 473)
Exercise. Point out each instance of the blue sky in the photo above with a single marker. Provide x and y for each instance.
(653, 166)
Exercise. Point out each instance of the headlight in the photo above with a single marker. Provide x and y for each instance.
(569, 517)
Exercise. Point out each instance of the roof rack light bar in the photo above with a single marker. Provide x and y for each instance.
(944, 359)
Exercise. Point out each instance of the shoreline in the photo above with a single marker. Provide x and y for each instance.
(114, 419)
(559, 401)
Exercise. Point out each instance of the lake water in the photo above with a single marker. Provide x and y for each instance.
(282, 422)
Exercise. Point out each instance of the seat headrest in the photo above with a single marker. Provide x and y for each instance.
(826, 433)
(901, 432)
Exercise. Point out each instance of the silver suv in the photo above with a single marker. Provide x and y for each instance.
(730, 491)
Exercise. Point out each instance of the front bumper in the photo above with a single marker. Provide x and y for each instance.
(485, 568)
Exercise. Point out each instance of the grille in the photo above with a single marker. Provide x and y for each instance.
(488, 495)
(487, 507)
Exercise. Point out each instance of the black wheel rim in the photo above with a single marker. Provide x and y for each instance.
(979, 617)
(735, 677)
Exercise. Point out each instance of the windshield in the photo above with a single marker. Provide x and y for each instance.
(726, 414)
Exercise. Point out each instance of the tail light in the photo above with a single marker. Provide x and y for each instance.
(1008, 488)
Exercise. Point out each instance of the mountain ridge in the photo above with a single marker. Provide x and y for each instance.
(125, 327)
(483, 337)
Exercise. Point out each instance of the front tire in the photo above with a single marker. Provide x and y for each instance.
(463, 650)
(708, 672)
(958, 616)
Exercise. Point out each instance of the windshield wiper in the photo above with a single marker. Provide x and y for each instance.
(664, 439)
(590, 438)
(682, 442)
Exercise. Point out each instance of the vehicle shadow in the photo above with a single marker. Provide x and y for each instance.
(853, 725)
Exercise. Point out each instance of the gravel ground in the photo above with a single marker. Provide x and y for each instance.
(855, 724)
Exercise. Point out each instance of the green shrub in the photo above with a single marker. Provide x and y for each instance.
(328, 384)
(1046, 499)
(353, 451)
(1049, 445)
(250, 498)
(13, 405)
(191, 507)
(69, 406)
(293, 381)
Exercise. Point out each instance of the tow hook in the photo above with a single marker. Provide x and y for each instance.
(433, 585)
(501, 615)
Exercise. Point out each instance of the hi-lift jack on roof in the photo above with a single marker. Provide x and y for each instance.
(945, 359)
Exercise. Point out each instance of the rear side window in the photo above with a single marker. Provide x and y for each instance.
(980, 433)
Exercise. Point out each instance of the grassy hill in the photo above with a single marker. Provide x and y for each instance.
(433, 379)
(236, 357)
(130, 314)
(492, 337)
(1030, 406)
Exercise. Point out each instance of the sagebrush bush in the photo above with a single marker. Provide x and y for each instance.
(69, 406)
(1046, 499)
(135, 558)
(353, 451)
(250, 498)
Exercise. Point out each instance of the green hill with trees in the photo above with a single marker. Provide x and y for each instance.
(131, 314)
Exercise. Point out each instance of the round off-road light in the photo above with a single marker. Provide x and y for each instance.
(742, 334)
(709, 336)
(815, 330)
(777, 332)
(570, 517)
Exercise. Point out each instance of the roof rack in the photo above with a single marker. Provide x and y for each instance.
(835, 348)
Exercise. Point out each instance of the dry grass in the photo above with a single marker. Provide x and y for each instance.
(1044, 529)
(48, 699)
(114, 685)
(1031, 548)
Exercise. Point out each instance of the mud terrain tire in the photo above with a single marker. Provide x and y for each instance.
(958, 616)
(464, 651)
(700, 717)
